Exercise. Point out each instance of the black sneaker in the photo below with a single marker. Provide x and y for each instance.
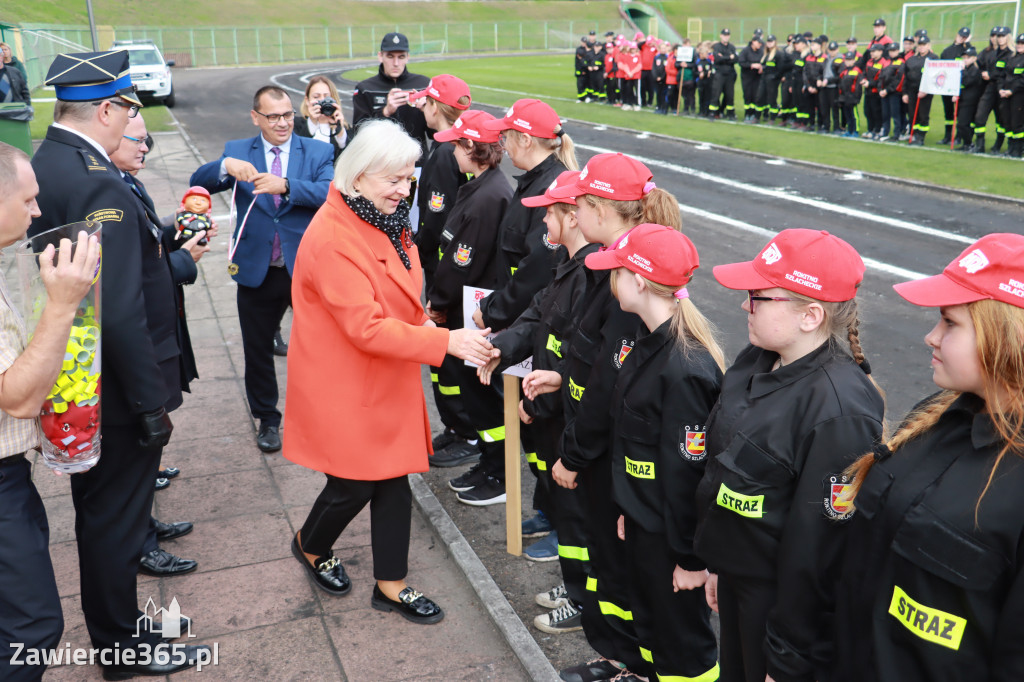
(591, 671)
(566, 618)
(491, 491)
(457, 453)
(444, 439)
(470, 479)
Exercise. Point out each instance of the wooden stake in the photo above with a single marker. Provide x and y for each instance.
(513, 487)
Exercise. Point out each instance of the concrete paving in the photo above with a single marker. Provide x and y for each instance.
(249, 596)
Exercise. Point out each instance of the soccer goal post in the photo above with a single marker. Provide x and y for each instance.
(960, 7)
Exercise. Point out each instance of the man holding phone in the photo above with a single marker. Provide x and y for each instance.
(387, 94)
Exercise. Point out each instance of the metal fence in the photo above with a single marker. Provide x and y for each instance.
(229, 46)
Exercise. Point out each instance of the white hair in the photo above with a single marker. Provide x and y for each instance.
(380, 146)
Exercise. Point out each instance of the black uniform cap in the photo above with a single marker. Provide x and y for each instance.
(91, 77)
(877, 46)
(1020, 38)
(770, 38)
(726, 32)
(971, 51)
(924, 40)
(808, 35)
(893, 47)
(593, 33)
(610, 33)
(920, 32)
(908, 39)
(1004, 30)
(799, 38)
(394, 42)
(964, 32)
(833, 45)
(879, 22)
(850, 55)
(851, 39)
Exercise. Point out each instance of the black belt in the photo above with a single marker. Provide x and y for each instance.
(12, 459)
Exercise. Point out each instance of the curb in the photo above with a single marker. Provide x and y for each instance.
(523, 645)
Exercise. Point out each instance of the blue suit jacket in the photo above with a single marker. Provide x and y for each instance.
(310, 171)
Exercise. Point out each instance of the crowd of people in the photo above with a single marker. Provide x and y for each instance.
(670, 482)
(817, 84)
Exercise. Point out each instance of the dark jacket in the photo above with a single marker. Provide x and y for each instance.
(814, 69)
(725, 58)
(954, 51)
(1013, 75)
(873, 74)
(438, 185)
(141, 370)
(849, 86)
(302, 128)
(18, 83)
(660, 406)
(749, 56)
(971, 86)
(914, 70)
(371, 95)
(777, 66)
(469, 244)
(584, 60)
(778, 443)
(933, 580)
(526, 258)
(892, 77)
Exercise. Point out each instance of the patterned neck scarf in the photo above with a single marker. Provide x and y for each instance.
(395, 226)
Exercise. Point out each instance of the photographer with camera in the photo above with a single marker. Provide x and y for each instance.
(322, 117)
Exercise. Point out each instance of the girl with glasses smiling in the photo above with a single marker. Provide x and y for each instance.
(797, 407)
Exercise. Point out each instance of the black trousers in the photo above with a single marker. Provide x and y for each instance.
(988, 102)
(673, 628)
(949, 108)
(873, 111)
(768, 95)
(923, 107)
(751, 83)
(723, 92)
(485, 407)
(581, 84)
(689, 88)
(829, 109)
(260, 310)
(595, 83)
(112, 511)
(704, 92)
(342, 499)
(743, 606)
(647, 88)
(30, 610)
(965, 119)
(445, 381)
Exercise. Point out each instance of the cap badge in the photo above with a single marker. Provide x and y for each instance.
(583, 173)
(974, 261)
(508, 114)
(395, 39)
(771, 255)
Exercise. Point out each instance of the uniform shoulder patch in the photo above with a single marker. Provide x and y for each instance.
(691, 442)
(837, 503)
(106, 215)
(623, 347)
(91, 162)
(548, 243)
(436, 202)
(463, 255)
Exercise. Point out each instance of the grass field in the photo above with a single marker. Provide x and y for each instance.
(158, 119)
(502, 81)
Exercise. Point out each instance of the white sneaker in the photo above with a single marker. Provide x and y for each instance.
(553, 598)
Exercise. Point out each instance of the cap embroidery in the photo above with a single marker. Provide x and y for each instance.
(395, 40)
(583, 173)
(974, 261)
(771, 255)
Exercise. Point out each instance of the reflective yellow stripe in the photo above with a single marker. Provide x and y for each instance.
(640, 469)
(440, 253)
(493, 435)
(646, 654)
(591, 584)
(751, 506)
(575, 390)
(610, 609)
(512, 271)
(532, 458)
(554, 345)
(449, 390)
(433, 378)
(930, 624)
(578, 553)
(709, 676)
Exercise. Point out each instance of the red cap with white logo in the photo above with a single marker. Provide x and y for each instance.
(469, 126)
(446, 89)
(530, 116)
(990, 268)
(659, 253)
(564, 179)
(813, 263)
(612, 176)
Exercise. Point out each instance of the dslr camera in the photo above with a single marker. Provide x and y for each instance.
(327, 106)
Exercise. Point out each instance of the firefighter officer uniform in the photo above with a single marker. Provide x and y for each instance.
(771, 524)
(933, 578)
(723, 83)
(660, 403)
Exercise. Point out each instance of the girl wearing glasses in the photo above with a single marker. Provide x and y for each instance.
(798, 406)
(932, 584)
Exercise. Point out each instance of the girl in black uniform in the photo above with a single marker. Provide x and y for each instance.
(613, 195)
(933, 582)
(797, 408)
(667, 386)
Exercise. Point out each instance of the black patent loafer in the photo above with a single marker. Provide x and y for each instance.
(169, 531)
(269, 438)
(177, 657)
(162, 563)
(411, 605)
(328, 573)
(168, 472)
(280, 347)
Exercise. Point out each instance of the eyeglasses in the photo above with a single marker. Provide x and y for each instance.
(274, 118)
(138, 141)
(751, 298)
(133, 109)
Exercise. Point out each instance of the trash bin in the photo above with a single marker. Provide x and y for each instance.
(14, 127)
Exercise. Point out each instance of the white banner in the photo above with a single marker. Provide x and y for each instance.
(941, 77)
(471, 297)
(684, 53)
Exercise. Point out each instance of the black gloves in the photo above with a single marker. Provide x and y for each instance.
(156, 428)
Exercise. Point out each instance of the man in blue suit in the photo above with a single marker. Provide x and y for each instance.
(287, 177)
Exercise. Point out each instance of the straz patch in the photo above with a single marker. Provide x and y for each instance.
(106, 215)
(622, 350)
(930, 624)
(463, 255)
(750, 506)
(691, 442)
(575, 390)
(436, 202)
(548, 243)
(836, 503)
(639, 469)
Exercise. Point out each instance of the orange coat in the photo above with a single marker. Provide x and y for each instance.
(355, 406)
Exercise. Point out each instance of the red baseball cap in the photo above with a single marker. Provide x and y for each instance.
(530, 116)
(659, 253)
(990, 268)
(612, 176)
(564, 179)
(809, 262)
(469, 126)
(446, 89)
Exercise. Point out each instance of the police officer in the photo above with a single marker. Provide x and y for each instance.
(795, 410)
(919, 104)
(723, 84)
(142, 374)
(991, 61)
(932, 581)
(954, 51)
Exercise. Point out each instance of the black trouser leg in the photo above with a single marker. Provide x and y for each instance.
(581, 84)
(486, 410)
(112, 511)
(342, 499)
(260, 310)
(30, 611)
(729, 95)
(445, 382)
(743, 606)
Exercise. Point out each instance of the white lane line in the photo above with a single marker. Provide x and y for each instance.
(894, 270)
(797, 199)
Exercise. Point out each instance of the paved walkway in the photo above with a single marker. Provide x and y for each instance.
(249, 597)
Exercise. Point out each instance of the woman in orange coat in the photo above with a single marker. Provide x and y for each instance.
(355, 407)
